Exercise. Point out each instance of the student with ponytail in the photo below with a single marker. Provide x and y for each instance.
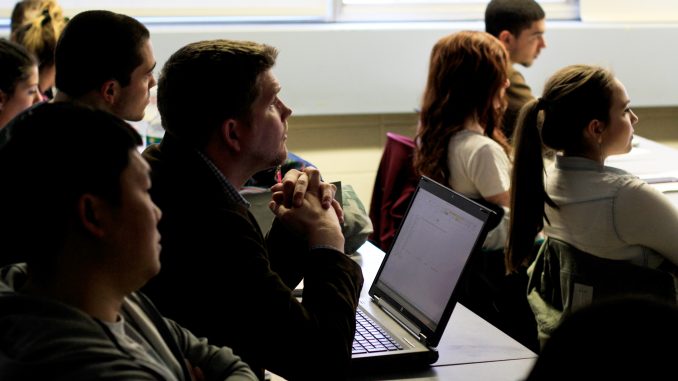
(583, 115)
(37, 25)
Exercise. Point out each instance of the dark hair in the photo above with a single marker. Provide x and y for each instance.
(572, 97)
(204, 83)
(512, 15)
(50, 155)
(37, 25)
(626, 338)
(15, 65)
(97, 46)
(467, 71)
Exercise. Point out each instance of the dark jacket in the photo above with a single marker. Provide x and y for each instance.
(43, 339)
(222, 279)
(517, 94)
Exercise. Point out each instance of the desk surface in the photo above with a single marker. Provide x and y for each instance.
(471, 348)
(648, 160)
(653, 162)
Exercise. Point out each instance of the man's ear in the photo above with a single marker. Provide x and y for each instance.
(91, 214)
(231, 134)
(109, 91)
(506, 37)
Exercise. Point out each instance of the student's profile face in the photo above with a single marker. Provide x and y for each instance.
(26, 94)
(133, 99)
(267, 135)
(525, 47)
(133, 224)
(618, 134)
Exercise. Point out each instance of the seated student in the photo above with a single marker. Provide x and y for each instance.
(221, 278)
(520, 26)
(77, 209)
(18, 81)
(37, 24)
(105, 60)
(584, 115)
(459, 142)
(629, 338)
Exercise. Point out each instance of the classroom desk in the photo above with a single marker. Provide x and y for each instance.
(470, 349)
(653, 162)
(648, 160)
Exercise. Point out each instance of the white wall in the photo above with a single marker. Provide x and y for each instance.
(355, 68)
(377, 68)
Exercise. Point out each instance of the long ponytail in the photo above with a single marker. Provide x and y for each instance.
(528, 193)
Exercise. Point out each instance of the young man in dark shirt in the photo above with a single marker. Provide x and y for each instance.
(520, 26)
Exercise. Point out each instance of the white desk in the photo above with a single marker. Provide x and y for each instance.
(653, 162)
(647, 159)
(470, 349)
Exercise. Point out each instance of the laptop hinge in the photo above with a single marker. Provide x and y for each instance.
(402, 320)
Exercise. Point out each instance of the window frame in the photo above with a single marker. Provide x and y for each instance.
(294, 11)
(436, 10)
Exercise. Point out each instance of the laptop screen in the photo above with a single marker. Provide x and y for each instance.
(438, 234)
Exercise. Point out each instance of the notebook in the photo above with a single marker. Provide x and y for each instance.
(415, 290)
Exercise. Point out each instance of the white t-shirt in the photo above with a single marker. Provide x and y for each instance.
(480, 168)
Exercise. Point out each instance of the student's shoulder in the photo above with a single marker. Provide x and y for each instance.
(51, 339)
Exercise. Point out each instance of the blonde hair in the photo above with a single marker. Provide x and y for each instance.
(37, 25)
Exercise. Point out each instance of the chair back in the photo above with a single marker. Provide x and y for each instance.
(394, 186)
(564, 278)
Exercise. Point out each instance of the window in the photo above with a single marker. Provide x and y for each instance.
(298, 10)
(200, 10)
(436, 10)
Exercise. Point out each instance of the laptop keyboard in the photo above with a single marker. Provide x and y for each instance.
(370, 338)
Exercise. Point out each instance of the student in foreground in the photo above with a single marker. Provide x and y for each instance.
(221, 278)
(630, 338)
(77, 209)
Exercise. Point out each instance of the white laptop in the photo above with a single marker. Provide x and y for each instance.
(415, 290)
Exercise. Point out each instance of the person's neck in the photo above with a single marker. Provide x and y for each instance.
(587, 155)
(88, 100)
(231, 165)
(471, 124)
(4, 120)
(85, 292)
